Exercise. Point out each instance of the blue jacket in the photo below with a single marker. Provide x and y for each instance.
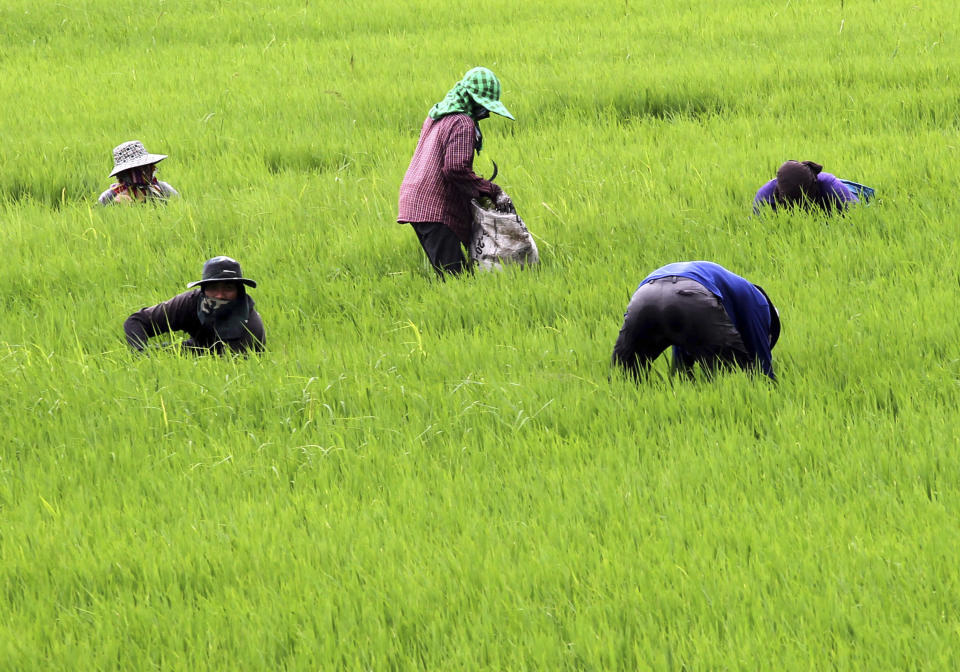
(747, 305)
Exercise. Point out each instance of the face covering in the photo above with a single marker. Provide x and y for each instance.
(138, 184)
(227, 318)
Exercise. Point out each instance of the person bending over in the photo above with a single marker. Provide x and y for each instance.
(218, 316)
(804, 184)
(708, 314)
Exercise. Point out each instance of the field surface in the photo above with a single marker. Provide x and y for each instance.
(449, 476)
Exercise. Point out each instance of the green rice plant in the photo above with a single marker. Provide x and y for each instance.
(449, 475)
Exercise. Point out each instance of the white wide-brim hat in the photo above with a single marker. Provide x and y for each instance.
(133, 155)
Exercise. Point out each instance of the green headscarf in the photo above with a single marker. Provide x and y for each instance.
(478, 90)
(457, 101)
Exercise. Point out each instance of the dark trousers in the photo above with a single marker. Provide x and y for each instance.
(678, 312)
(441, 246)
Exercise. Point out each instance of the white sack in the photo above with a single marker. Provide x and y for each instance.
(500, 238)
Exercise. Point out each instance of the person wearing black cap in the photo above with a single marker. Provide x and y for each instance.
(803, 183)
(708, 314)
(218, 315)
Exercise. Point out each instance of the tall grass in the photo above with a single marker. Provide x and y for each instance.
(449, 475)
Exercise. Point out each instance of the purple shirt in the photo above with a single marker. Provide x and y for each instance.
(833, 193)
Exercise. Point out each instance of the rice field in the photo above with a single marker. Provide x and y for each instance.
(450, 476)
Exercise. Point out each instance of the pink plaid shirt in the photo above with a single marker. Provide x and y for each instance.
(440, 181)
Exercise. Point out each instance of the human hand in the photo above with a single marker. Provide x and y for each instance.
(503, 203)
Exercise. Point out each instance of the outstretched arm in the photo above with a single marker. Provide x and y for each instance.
(171, 315)
(764, 196)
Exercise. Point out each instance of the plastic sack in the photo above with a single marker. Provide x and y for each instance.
(499, 238)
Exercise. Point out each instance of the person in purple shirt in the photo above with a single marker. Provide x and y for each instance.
(709, 315)
(803, 183)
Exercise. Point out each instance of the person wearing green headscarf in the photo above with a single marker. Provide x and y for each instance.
(437, 188)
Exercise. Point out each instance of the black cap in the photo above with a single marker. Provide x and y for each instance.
(797, 181)
(222, 269)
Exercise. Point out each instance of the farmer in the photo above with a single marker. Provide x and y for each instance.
(436, 190)
(802, 183)
(134, 168)
(708, 314)
(218, 315)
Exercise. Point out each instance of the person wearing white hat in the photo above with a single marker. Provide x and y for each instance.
(134, 169)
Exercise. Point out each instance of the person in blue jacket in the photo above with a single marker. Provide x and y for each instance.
(708, 314)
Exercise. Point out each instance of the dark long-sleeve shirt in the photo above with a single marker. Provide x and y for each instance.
(180, 314)
(440, 181)
(748, 308)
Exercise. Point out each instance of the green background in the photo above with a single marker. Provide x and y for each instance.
(425, 475)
